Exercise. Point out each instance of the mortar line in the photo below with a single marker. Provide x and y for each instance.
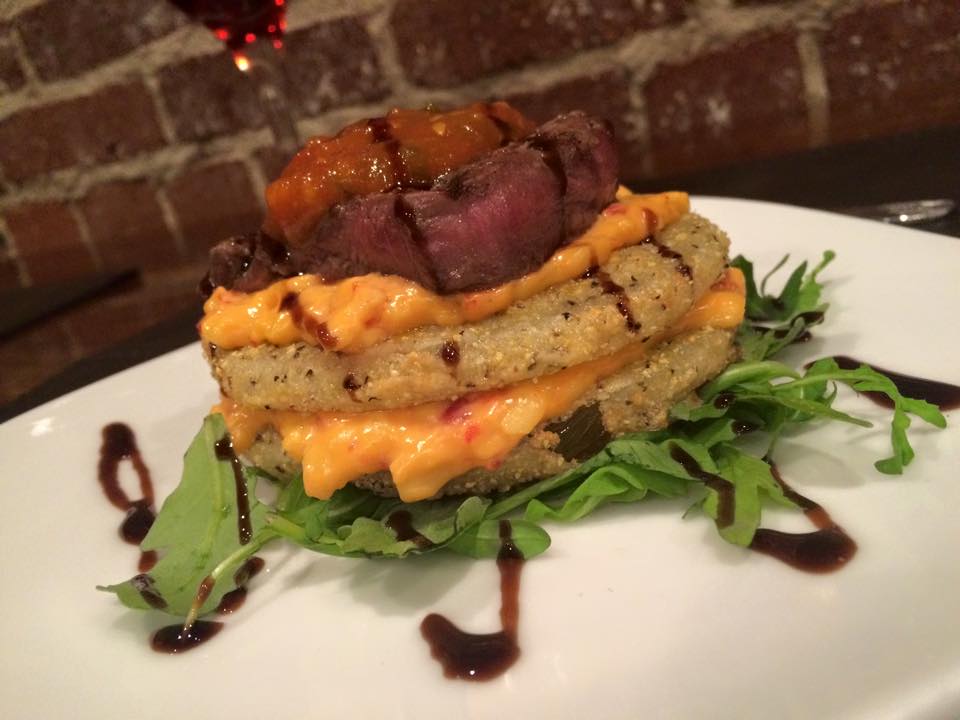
(258, 179)
(152, 84)
(816, 91)
(30, 74)
(171, 220)
(385, 47)
(9, 9)
(85, 236)
(75, 181)
(13, 252)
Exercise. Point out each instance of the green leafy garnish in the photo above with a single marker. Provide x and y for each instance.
(800, 294)
(356, 522)
(775, 321)
(196, 531)
(698, 457)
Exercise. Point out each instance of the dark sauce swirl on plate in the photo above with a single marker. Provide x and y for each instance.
(482, 656)
(118, 443)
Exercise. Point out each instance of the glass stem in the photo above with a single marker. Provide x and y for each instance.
(265, 72)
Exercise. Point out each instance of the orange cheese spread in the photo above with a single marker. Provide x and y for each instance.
(425, 446)
(361, 311)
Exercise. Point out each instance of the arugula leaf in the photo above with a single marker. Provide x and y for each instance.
(866, 379)
(776, 395)
(778, 320)
(616, 482)
(482, 540)
(752, 482)
(356, 522)
(196, 530)
(646, 464)
(800, 294)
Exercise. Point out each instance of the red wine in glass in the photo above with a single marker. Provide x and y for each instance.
(239, 23)
(247, 27)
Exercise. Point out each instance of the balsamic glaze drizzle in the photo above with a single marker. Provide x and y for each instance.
(669, 254)
(144, 585)
(382, 133)
(724, 489)
(224, 451)
(173, 639)
(450, 352)
(232, 600)
(319, 330)
(944, 395)
(351, 385)
(723, 400)
(179, 638)
(826, 549)
(609, 287)
(471, 656)
(119, 443)
(653, 224)
(401, 522)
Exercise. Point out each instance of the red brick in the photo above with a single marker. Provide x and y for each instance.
(739, 102)
(105, 321)
(893, 67)
(11, 74)
(606, 95)
(111, 319)
(116, 122)
(65, 38)
(445, 42)
(49, 242)
(9, 273)
(127, 225)
(49, 351)
(331, 64)
(33, 142)
(213, 202)
(208, 96)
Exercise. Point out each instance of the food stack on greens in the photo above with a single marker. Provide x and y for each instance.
(452, 319)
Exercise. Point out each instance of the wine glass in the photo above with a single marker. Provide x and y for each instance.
(253, 32)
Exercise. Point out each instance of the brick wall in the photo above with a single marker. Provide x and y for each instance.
(127, 138)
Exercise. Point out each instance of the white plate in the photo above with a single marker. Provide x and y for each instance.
(632, 613)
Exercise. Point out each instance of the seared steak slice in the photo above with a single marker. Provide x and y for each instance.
(491, 221)
(587, 157)
(247, 263)
(486, 223)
